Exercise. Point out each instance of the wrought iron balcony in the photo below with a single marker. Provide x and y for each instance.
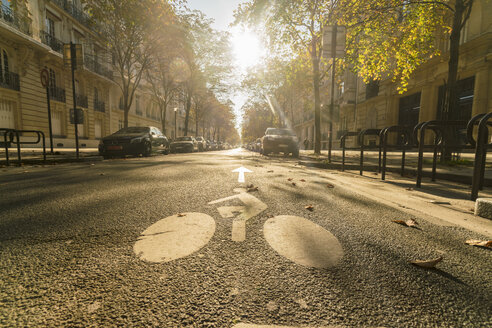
(82, 101)
(17, 21)
(57, 94)
(99, 106)
(95, 66)
(75, 12)
(51, 41)
(10, 80)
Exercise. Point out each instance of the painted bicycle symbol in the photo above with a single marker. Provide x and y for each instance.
(293, 237)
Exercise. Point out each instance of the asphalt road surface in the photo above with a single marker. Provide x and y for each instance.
(177, 241)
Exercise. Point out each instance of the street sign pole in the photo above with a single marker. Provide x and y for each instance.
(332, 103)
(45, 83)
(73, 58)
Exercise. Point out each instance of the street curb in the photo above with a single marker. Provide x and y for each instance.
(408, 171)
(51, 161)
(483, 208)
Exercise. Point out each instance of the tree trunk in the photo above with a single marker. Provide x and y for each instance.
(317, 107)
(163, 108)
(451, 101)
(196, 124)
(187, 116)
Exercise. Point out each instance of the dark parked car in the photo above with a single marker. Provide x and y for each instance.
(278, 140)
(135, 140)
(184, 144)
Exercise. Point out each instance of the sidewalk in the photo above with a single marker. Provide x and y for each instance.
(60, 155)
(457, 171)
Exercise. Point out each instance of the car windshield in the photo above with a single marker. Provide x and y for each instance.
(279, 132)
(183, 139)
(133, 129)
(199, 138)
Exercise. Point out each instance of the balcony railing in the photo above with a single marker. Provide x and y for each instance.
(75, 12)
(17, 21)
(51, 41)
(57, 94)
(99, 106)
(82, 101)
(95, 66)
(10, 81)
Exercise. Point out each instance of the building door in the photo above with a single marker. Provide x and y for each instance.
(465, 93)
(7, 114)
(409, 110)
(56, 123)
(98, 129)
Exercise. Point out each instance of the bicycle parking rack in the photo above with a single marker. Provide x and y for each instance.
(482, 145)
(406, 137)
(362, 134)
(343, 145)
(11, 133)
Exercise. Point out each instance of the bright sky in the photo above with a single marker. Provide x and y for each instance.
(247, 49)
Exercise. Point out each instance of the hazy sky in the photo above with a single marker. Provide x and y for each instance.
(220, 10)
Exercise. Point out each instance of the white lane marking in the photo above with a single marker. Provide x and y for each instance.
(302, 241)
(175, 237)
(253, 207)
(241, 172)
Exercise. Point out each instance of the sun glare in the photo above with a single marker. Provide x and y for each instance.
(247, 48)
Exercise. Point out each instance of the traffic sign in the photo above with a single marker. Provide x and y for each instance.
(340, 41)
(45, 75)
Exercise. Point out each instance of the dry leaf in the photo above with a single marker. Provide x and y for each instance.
(290, 179)
(409, 189)
(270, 171)
(294, 184)
(407, 223)
(309, 207)
(479, 243)
(329, 185)
(250, 186)
(101, 174)
(252, 189)
(428, 264)
(180, 215)
(302, 180)
(440, 202)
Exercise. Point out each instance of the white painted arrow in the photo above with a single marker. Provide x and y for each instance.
(241, 172)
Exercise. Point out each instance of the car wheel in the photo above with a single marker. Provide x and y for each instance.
(295, 154)
(106, 156)
(147, 149)
(166, 152)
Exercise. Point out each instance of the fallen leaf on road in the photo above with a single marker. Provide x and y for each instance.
(250, 186)
(180, 215)
(309, 207)
(270, 171)
(409, 189)
(252, 189)
(479, 243)
(102, 174)
(302, 180)
(428, 264)
(329, 185)
(407, 223)
(439, 202)
(294, 184)
(290, 179)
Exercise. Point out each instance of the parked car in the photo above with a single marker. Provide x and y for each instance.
(278, 140)
(257, 145)
(213, 145)
(184, 144)
(137, 140)
(202, 144)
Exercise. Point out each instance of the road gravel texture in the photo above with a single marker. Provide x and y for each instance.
(67, 234)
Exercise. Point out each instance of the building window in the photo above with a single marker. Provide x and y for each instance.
(4, 66)
(50, 27)
(372, 89)
(96, 95)
(409, 110)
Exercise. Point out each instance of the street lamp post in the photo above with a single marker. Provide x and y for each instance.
(175, 120)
